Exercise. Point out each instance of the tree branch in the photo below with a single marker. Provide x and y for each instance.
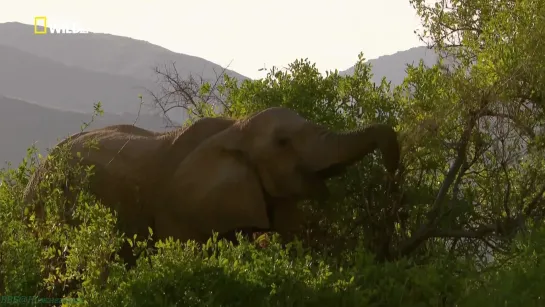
(425, 231)
(462, 233)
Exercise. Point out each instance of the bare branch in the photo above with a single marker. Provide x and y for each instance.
(462, 233)
(515, 120)
(186, 92)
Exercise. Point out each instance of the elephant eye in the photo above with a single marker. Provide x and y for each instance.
(282, 142)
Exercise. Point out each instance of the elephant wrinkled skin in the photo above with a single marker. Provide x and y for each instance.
(221, 174)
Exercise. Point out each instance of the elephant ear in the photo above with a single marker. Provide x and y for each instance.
(189, 138)
(214, 189)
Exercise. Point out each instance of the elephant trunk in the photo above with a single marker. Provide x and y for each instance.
(338, 150)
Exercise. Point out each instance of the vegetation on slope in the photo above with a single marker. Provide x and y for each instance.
(463, 226)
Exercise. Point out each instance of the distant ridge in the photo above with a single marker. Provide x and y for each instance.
(23, 123)
(393, 66)
(105, 53)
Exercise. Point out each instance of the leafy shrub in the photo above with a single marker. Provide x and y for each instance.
(461, 226)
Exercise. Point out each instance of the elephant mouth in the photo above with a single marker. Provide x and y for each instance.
(314, 184)
(331, 171)
(316, 181)
(317, 188)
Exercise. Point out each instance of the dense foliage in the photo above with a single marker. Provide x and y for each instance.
(461, 226)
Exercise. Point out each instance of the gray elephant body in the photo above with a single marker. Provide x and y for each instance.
(220, 174)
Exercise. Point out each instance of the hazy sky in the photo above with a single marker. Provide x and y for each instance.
(250, 33)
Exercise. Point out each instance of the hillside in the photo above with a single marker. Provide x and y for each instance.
(105, 53)
(393, 66)
(52, 84)
(23, 123)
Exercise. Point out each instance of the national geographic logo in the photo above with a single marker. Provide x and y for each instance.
(42, 26)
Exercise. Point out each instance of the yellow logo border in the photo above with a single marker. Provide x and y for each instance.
(36, 19)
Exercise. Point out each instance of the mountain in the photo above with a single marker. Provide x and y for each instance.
(23, 123)
(105, 53)
(52, 84)
(71, 72)
(393, 66)
(49, 83)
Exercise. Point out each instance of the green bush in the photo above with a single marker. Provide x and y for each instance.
(462, 225)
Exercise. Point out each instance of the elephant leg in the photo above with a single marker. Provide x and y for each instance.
(286, 218)
(231, 235)
(126, 250)
(246, 233)
(172, 225)
(127, 256)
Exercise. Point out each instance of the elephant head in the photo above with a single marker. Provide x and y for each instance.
(293, 156)
(274, 157)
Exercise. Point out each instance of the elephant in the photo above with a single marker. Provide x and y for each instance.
(221, 174)
(177, 143)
